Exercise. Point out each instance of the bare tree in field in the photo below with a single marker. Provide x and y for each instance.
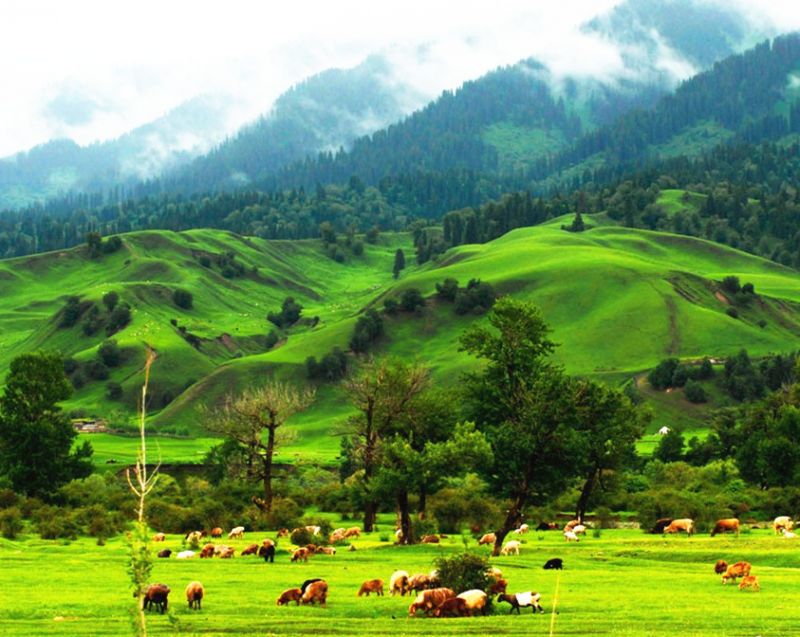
(255, 420)
(383, 393)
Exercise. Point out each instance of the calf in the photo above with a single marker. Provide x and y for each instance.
(216, 532)
(430, 539)
(301, 555)
(290, 595)
(497, 586)
(165, 553)
(237, 532)
(308, 583)
(194, 594)
(207, 551)
(429, 600)
(452, 607)
(749, 581)
(735, 571)
(522, 600)
(554, 564)
(159, 537)
(371, 586)
(267, 552)
(250, 549)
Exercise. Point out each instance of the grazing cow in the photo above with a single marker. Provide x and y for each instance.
(353, 531)
(227, 553)
(735, 571)
(554, 564)
(488, 538)
(749, 581)
(216, 532)
(237, 532)
(430, 539)
(782, 522)
(547, 526)
(207, 551)
(660, 525)
(512, 546)
(476, 601)
(164, 553)
(159, 537)
(194, 594)
(685, 525)
(453, 607)
(290, 595)
(250, 549)
(729, 525)
(371, 586)
(522, 600)
(267, 551)
(570, 536)
(428, 600)
(301, 554)
(219, 549)
(326, 550)
(155, 595)
(283, 533)
(497, 586)
(398, 583)
(316, 593)
(193, 537)
(720, 567)
(337, 535)
(308, 583)
(186, 555)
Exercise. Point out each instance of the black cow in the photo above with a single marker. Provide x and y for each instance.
(554, 564)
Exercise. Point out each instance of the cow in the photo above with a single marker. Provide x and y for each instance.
(749, 581)
(371, 586)
(555, 563)
(782, 522)
(685, 525)
(290, 595)
(728, 525)
(660, 525)
(429, 600)
(735, 571)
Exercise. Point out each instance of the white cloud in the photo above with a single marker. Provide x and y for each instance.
(136, 60)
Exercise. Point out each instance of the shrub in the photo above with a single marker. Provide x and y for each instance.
(113, 391)
(285, 514)
(182, 298)
(110, 300)
(109, 353)
(660, 377)
(332, 367)
(732, 312)
(71, 312)
(358, 248)
(112, 244)
(289, 314)
(11, 523)
(94, 321)
(56, 524)
(391, 306)
(368, 329)
(411, 299)
(464, 572)
(670, 448)
(447, 289)
(477, 297)
(302, 536)
(428, 526)
(77, 379)
(731, 284)
(325, 529)
(271, 340)
(70, 365)
(118, 319)
(97, 370)
(694, 392)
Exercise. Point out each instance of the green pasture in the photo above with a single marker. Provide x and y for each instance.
(624, 582)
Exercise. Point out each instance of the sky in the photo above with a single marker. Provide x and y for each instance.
(92, 70)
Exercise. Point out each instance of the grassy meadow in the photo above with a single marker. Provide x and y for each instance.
(624, 582)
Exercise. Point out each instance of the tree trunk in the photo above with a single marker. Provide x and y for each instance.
(270, 452)
(586, 493)
(405, 518)
(423, 501)
(512, 520)
(370, 513)
(370, 442)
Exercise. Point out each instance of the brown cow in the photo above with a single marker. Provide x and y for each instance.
(301, 554)
(159, 537)
(227, 553)
(317, 592)
(371, 586)
(283, 533)
(430, 539)
(685, 525)
(725, 526)
(290, 595)
(419, 582)
(735, 571)
(250, 549)
(194, 594)
(749, 581)
(216, 532)
(353, 531)
(453, 607)
(429, 600)
(208, 551)
(326, 550)
(720, 567)
(488, 538)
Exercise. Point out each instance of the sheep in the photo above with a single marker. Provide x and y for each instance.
(522, 600)
(429, 600)
(216, 532)
(554, 564)
(164, 553)
(749, 581)
(571, 536)
(300, 554)
(510, 547)
(735, 571)
(237, 532)
(290, 595)
(207, 551)
(488, 538)
(720, 567)
(782, 522)
(579, 529)
(398, 583)
(159, 537)
(326, 550)
(452, 607)
(788, 535)
(267, 551)
(317, 592)
(523, 528)
(250, 549)
(371, 586)
(194, 594)
(155, 595)
(186, 555)
(476, 600)
(398, 534)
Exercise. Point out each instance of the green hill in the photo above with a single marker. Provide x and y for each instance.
(619, 300)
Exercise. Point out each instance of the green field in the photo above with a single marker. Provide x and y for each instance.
(622, 583)
(618, 300)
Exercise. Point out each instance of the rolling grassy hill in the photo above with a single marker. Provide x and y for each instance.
(618, 300)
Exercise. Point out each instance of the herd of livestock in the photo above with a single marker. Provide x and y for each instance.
(432, 598)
